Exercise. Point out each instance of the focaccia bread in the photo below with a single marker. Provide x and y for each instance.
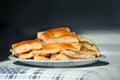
(57, 35)
(56, 44)
(26, 46)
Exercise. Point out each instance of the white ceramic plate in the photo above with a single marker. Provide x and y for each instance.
(57, 63)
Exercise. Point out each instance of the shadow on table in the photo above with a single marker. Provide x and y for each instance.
(96, 64)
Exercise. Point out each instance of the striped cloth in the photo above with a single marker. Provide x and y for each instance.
(18, 72)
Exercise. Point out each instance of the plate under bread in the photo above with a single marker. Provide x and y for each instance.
(57, 63)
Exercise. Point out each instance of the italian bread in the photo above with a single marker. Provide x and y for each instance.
(57, 35)
(26, 46)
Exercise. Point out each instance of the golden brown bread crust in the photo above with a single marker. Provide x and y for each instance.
(40, 57)
(26, 55)
(58, 56)
(56, 32)
(59, 46)
(54, 48)
(26, 46)
(58, 35)
(26, 42)
(77, 55)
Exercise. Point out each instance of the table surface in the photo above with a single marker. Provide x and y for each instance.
(106, 69)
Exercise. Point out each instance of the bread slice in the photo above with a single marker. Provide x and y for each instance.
(26, 46)
(77, 45)
(26, 55)
(90, 52)
(40, 57)
(84, 39)
(57, 35)
(54, 48)
(78, 55)
(58, 56)
(88, 46)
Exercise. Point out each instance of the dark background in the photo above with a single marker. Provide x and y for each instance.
(22, 19)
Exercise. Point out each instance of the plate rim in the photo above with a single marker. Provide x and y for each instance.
(12, 57)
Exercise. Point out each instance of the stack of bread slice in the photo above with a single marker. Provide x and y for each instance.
(56, 44)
